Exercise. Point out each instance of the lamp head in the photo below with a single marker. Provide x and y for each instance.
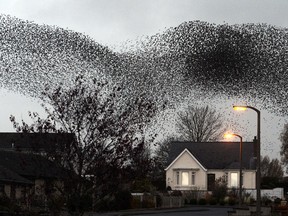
(228, 135)
(240, 108)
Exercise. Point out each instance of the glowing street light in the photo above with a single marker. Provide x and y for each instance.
(228, 136)
(258, 154)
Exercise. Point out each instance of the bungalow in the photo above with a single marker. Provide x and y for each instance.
(196, 166)
(23, 168)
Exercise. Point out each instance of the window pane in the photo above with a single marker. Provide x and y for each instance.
(193, 178)
(185, 179)
(234, 179)
(177, 178)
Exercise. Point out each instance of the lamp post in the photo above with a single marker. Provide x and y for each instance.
(258, 155)
(228, 135)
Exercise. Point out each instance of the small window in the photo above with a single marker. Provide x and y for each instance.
(234, 179)
(177, 178)
(226, 177)
(193, 178)
(185, 178)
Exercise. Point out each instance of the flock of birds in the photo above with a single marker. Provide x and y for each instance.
(193, 60)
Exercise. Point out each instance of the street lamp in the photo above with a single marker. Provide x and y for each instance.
(258, 154)
(229, 135)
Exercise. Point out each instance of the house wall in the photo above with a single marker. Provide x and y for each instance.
(249, 179)
(186, 163)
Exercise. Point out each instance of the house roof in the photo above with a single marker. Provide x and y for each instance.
(216, 155)
(34, 141)
(30, 165)
(6, 175)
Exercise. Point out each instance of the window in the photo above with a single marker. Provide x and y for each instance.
(226, 178)
(234, 179)
(185, 179)
(193, 178)
(177, 178)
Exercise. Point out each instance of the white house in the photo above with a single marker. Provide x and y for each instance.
(197, 165)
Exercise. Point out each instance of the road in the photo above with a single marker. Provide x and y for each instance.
(191, 212)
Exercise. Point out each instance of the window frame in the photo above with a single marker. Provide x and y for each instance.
(191, 175)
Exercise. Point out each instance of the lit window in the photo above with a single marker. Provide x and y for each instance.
(185, 178)
(193, 178)
(234, 179)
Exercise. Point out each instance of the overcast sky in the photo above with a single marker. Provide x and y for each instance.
(111, 21)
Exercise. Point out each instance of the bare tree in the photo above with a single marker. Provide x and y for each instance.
(200, 124)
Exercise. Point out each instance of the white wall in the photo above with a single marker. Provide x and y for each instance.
(186, 163)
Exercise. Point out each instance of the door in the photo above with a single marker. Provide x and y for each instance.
(210, 182)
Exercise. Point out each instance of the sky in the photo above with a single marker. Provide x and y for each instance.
(111, 22)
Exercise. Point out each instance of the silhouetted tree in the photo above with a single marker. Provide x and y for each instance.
(271, 168)
(200, 124)
(284, 146)
(161, 156)
(271, 173)
(109, 133)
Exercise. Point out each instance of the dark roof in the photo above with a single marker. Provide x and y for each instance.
(6, 175)
(216, 155)
(30, 165)
(34, 141)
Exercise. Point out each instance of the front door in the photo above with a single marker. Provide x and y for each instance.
(210, 182)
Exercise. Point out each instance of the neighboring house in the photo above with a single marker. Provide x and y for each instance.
(196, 166)
(13, 185)
(23, 168)
(35, 142)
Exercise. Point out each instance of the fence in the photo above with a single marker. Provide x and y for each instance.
(141, 200)
(172, 202)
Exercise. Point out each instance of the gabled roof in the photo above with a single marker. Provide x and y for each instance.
(34, 141)
(30, 165)
(216, 155)
(6, 175)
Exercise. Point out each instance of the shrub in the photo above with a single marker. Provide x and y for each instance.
(193, 201)
(220, 188)
(222, 202)
(202, 201)
(123, 200)
(79, 203)
(232, 201)
(148, 202)
(266, 200)
(55, 204)
(186, 201)
(176, 193)
(158, 200)
(213, 201)
(277, 201)
(168, 188)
